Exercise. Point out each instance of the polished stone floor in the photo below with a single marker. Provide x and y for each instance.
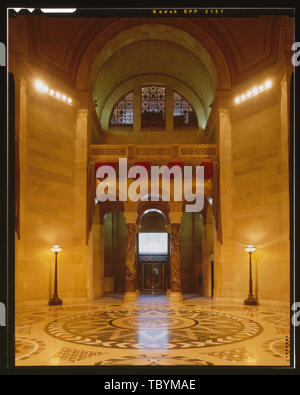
(152, 332)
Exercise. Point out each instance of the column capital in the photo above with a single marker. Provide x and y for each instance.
(130, 217)
(175, 217)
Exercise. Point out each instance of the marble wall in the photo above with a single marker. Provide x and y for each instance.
(53, 155)
(253, 142)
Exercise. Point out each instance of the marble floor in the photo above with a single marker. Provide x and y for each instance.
(152, 331)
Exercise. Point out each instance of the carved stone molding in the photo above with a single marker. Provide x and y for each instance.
(160, 153)
(102, 152)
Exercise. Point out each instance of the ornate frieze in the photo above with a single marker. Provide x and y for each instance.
(190, 152)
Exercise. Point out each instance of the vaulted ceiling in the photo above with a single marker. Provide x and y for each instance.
(106, 56)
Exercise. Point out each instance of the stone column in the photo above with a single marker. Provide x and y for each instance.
(22, 249)
(98, 256)
(131, 267)
(79, 250)
(175, 294)
(169, 108)
(284, 171)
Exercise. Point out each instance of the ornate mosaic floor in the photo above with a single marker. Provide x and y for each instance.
(152, 332)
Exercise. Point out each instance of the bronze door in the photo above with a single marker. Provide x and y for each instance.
(153, 277)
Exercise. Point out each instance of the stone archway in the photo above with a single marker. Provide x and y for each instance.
(153, 247)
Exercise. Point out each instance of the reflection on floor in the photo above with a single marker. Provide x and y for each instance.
(152, 332)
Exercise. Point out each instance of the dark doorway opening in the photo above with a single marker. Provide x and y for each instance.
(153, 253)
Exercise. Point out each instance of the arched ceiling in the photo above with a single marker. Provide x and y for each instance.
(147, 49)
(225, 51)
(228, 47)
(155, 57)
(153, 49)
(143, 32)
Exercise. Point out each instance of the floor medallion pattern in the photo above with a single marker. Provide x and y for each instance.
(278, 347)
(160, 360)
(157, 329)
(152, 332)
(26, 348)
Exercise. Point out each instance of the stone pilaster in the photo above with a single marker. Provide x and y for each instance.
(225, 275)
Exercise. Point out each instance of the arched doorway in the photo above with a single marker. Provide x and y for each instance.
(153, 252)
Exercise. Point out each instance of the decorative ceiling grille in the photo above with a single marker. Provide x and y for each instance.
(153, 106)
(153, 99)
(122, 114)
(183, 112)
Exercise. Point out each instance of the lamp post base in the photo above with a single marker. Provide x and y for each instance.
(250, 301)
(55, 301)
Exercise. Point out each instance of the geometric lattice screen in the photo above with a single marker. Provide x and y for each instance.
(153, 106)
(183, 113)
(122, 114)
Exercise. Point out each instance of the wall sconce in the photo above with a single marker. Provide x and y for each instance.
(253, 92)
(55, 301)
(251, 299)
